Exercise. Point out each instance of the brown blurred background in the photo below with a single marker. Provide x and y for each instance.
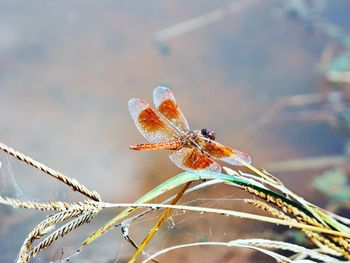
(67, 70)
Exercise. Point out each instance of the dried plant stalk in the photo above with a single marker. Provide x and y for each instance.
(160, 221)
(271, 210)
(42, 228)
(329, 243)
(314, 237)
(255, 243)
(49, 206)
(61, 232)
(286, 208)
(74, 184)
(342, 242)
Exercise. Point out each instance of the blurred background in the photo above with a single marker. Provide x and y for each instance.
(270, 77)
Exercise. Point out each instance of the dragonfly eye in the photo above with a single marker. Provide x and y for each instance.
(210, 134)
(205, 133)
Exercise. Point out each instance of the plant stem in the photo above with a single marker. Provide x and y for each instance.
(160, 221)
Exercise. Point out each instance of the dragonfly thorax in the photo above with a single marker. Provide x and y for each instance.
(197, 138)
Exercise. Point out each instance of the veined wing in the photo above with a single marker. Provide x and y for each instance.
(191, 159)
(149, 123)
(165, 103)
(225, 154)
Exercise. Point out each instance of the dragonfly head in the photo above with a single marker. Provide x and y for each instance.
(209, 134)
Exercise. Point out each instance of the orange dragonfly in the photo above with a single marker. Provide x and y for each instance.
(168, 129)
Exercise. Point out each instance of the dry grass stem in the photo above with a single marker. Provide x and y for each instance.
(74, 184)
(43, 228)
(328, 243)
(49, 206)
(286, 208)
(160, 221)
(271, 210)
(314, 237)
(256, 244)
(60, 232)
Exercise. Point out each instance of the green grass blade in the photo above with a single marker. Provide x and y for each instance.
(176, 181)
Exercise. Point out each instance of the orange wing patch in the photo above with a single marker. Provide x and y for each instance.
(165, 103)
(196, 161)
(226, 154)
(169, 110)
(191, 159)
(150, 122)
(218, 151)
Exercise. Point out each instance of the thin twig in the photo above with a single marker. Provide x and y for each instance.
(125, 232)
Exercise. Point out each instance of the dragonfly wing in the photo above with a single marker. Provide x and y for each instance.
(191, 159)
(165, 103)
(149, 123)
(226, 154)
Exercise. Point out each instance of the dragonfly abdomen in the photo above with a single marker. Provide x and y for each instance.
(173, 145)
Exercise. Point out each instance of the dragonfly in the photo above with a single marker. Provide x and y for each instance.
(166, 128)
